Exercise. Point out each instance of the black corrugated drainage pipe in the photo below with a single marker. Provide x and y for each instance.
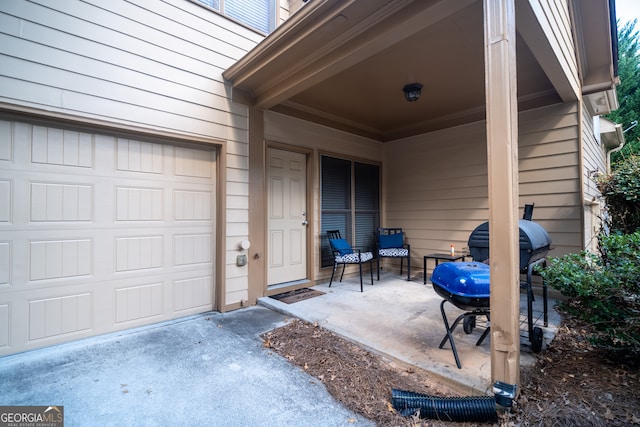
(472, 408)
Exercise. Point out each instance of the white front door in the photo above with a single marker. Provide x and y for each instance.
(287, 196)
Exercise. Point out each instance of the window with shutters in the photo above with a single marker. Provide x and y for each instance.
(257, 14)
(350, 202)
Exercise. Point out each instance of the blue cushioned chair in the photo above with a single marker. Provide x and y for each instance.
(390, 244)
(344, 254)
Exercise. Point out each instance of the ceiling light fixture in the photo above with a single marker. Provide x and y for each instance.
(412, 91)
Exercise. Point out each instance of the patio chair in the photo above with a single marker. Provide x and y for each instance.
(344, 254)
(390, 244)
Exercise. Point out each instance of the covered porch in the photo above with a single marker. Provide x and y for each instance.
(499, 124)
(401, 321)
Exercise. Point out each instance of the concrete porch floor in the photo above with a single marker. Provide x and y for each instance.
(401, 320)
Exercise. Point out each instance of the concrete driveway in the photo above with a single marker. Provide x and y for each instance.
(202, 370)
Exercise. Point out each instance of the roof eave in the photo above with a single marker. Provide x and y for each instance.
(597, 42)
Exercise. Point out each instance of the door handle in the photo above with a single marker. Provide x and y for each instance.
(305, 222)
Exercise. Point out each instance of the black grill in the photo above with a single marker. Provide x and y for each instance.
(466, 284)
(534, 243)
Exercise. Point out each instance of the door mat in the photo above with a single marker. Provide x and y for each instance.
(297, 295)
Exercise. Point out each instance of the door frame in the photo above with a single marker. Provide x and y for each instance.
(311, 217)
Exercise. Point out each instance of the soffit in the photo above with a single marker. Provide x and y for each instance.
(344, 63)
(595, 30)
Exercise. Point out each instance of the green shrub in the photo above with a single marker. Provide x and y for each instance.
(603, 290)
(621, 192)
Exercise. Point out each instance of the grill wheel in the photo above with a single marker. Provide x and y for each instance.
(468, 324)
(536, 339)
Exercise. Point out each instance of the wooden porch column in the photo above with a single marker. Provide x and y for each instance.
(502, 150)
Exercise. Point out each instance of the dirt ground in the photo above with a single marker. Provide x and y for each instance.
(571, 384)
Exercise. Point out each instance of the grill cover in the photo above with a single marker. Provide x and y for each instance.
(534, 242)
(464, 284)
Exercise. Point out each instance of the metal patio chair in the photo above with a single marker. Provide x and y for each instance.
(344, 254)
(390, 244)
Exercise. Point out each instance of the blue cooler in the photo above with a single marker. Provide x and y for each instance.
(464, 284)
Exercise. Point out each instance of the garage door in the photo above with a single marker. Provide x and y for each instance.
(100, 233)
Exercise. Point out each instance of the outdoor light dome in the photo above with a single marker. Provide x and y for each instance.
(412, 91)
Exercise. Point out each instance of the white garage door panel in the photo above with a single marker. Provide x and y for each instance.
(99, 233)
(59, 315)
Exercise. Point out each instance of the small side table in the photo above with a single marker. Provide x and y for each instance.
(438, 258)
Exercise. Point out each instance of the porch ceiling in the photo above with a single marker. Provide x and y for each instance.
(344, 63)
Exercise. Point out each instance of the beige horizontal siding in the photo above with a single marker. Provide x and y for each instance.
(594, 161)
(435, 185)
(553, 17)
(283, 11)
(549, 142)
(110, 62)
(557, 14)
(594, 155)
(144, 64)
(445, 194)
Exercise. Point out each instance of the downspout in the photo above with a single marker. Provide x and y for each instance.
(615, 51)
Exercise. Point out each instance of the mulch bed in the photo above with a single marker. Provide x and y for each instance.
(575, 384)
(571, 385)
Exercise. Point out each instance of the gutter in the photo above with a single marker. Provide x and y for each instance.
(620, 133)
(613, 23)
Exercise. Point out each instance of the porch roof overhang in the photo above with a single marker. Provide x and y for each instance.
(343, 63)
